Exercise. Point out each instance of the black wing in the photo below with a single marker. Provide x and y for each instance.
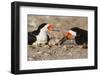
(36, 32)
(82, 38)
(31, 38)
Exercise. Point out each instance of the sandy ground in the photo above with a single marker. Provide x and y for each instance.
(52, 52)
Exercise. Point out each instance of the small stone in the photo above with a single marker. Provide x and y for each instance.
(64, 47)
(70, 54)
(57, 34)
(46, 54)
(52, 42)
(56, 40)
(49, 51)
(40, 52)
(33, 56)
(46, 46)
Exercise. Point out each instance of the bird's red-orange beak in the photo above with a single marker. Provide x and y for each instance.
(68, 36)
(50, 27)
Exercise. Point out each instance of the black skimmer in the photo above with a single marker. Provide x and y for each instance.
(79, 35)
(40, 36)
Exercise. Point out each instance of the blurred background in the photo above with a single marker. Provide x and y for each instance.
(62, 22)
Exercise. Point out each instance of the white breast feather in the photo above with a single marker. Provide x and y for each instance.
(42, 37)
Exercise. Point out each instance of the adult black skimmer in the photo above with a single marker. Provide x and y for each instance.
(80, 35)
(40, 36)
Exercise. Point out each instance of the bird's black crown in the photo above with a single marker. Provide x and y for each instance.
(41, 26)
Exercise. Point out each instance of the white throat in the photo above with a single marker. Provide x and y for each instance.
(73, 33)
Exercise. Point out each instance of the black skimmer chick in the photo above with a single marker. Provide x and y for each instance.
(40, 36)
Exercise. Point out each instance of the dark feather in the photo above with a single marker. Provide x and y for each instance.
(31, 38)
(82, 35)
(48, 39)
